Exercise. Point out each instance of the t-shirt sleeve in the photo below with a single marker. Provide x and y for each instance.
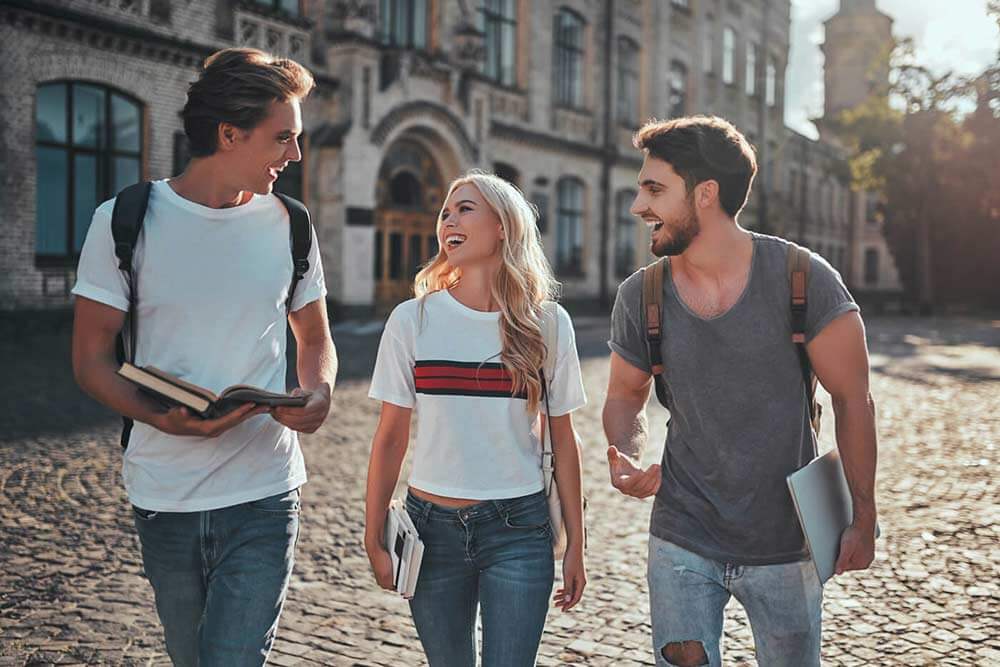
(628, 339)
(313, 284)
(97, 275)
(567, 382)
(828, 297)
(392, 380)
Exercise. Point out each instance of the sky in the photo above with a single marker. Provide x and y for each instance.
(947, 34)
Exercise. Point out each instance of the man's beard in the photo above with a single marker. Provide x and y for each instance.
(681, 234)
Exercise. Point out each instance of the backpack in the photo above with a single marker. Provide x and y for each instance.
(798, 276)
(126, 223)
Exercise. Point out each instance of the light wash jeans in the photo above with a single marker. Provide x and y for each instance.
(220, 577)
(496, 555)
(687, 595)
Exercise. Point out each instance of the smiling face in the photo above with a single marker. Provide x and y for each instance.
(259, 155)
(468, 230)
(665, 206)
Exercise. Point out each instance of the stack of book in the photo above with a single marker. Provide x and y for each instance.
(404, 547)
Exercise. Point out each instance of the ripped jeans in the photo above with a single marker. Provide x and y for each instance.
(687, 595)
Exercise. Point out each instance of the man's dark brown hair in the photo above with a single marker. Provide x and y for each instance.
(237, 86)
(703, 148)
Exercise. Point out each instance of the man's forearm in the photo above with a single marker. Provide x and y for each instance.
(317, 364)
(625, 425)
(100, 380)
(856, 440)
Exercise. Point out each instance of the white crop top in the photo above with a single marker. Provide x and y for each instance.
(474, 438)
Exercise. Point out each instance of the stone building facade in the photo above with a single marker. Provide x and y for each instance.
(411, 93)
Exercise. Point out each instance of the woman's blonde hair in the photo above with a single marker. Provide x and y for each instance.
(523, 282)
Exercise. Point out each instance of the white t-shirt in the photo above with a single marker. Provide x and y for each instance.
(474, 439)
(211, 289)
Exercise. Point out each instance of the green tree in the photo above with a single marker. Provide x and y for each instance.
(938, 172)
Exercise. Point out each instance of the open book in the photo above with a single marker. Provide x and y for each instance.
(174, 391)
(405, 548)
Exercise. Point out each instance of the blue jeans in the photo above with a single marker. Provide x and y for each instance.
(496, 555)
(687, 594)
(220, 577)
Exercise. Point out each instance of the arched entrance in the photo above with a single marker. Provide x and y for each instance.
(408, 196)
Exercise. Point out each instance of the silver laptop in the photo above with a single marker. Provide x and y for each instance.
(823, 502)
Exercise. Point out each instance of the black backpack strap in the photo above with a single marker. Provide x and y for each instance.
(301, 240)
(126, 223)
(652, 313)
(799, 260)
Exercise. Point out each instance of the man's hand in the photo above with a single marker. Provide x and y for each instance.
(631, 480)
(180, 421)
(857, 548)
(310, 416)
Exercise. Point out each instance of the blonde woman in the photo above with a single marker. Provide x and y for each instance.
(466, 353)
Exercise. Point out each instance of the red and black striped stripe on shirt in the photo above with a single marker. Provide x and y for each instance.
(464, 378)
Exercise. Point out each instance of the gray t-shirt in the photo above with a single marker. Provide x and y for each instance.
(739, 419)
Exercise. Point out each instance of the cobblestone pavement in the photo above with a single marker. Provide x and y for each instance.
(71, 590)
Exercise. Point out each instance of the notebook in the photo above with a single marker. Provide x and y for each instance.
(823, 503)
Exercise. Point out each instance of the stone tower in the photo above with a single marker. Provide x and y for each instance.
(857, 46)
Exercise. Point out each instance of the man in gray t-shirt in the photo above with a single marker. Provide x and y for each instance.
(723, 523)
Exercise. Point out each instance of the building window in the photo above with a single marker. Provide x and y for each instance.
(290, 7)
(708, 46)
(678, 89)
(770, 83)
(681, 4)
(568, 68)
(624, 234)
(751, 69)
(507, 172)
(88, 146)
(498, 21)
(628, 82)
(569, 227)
(728, 54)
(871, 266)
(403, 23)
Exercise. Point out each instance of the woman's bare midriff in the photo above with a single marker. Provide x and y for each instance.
(444, 501)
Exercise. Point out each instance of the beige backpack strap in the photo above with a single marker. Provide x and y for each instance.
(550, 334)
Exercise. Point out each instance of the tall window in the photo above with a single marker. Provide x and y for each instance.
(568, 68)
(708, 45)
(751, 69)
(871, 266)
(728, 54)
(628, 82)
(624, 234)
(287, 6)
(678, 89)
(498, 21)
(403, 23)
(569, 227)
(88, 146)
(507, 172)
(770, 82)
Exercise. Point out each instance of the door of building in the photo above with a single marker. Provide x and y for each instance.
(409, 196)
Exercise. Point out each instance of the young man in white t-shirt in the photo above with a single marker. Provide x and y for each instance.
(216, 501)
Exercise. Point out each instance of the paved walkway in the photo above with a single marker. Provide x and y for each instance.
(71, 590)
